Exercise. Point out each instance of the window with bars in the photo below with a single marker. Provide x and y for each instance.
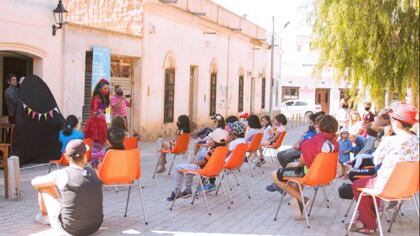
(241, 94)
(168, 109)
(289, 93)
(213, 93)
(262, 93)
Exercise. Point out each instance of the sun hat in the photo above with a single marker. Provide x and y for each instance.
(238, 127)
(76, 148)
(219, 135)
(405, 112)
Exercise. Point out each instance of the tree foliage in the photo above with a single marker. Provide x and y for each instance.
(373, 44)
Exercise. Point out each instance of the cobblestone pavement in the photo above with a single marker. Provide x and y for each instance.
(247, 216)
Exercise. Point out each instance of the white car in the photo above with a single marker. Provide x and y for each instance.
(296, 107)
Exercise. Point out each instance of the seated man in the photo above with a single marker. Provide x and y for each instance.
(218, 138)
(403, 146)
(292, 154)
(323, 142)
(77, 208)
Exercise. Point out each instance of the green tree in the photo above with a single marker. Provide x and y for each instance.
(370, 43)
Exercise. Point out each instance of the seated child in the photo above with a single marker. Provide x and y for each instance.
(236, 135)
(69, 132)
(358, 142)
(115, 140)
(77, 208)
(204, 139)
(218, 138)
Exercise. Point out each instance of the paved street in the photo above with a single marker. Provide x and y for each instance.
(247, 216)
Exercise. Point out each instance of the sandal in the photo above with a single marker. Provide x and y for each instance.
(357, 225)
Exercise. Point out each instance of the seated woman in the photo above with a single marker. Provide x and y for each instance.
(183, 125)
(403, 146)
(218, 138)
(69, 132)
(323, 142)
(77, 208)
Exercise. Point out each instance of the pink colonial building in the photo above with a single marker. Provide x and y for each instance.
(191, 57)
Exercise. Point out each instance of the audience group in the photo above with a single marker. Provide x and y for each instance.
(366, 146)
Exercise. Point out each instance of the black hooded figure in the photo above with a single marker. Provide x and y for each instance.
(38, 122)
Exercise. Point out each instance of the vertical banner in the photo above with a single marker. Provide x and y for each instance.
(101, 69)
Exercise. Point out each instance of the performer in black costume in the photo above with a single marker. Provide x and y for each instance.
(36, 139)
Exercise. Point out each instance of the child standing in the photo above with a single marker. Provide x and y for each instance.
(345, 146)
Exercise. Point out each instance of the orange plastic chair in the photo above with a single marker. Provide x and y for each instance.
(235, 162)
(130, 143)
(212, 169)
(321, 173)
(63, 161)
(253, 147)
(89, 142)
(122, 168)
(180, 148)
(401, 186)
(273, 148)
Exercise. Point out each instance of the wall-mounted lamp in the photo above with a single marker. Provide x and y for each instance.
(60, 14)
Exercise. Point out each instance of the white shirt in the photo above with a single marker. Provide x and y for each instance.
(61, 177)
(251, 132)
(268, 132)
(234, 143)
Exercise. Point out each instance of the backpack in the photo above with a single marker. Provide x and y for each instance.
(345, 191)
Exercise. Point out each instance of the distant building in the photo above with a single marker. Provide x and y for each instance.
(192, 57)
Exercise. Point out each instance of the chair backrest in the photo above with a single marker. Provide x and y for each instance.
(89, 142)
(237, 157)
(255, 142)
(216, 162)
(403, 182)
(130, 143)
(323, 169)
(63, 160)
(181, 144)
(120, 167)
(279, 140)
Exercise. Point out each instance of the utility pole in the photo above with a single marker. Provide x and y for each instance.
(270, 109)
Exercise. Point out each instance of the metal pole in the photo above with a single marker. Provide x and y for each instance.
(270, 109)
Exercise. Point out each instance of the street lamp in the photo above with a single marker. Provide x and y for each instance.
(60, 14)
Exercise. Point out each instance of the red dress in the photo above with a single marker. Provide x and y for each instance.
(95, 127)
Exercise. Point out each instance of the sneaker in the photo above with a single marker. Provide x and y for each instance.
(186, 194)
(206, 188)
(273, 188)
(261, 163)
(41, 219)
(296, 209)
(161, 170)
(172, 197)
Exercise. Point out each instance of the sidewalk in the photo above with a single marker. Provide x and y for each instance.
(247, 216)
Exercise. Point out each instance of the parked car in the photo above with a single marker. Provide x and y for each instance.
(296, 107)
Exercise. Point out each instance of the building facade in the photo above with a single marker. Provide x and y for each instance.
(192, 57)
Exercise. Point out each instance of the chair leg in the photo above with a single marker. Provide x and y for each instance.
(236, 178)
(227, 180)
(228, 188)
(337, 199)
(142, 203)
(116, 189)
(395, 215)
(243, 180)
(304, 205)
(157, 165)
(195, 196)
(378, 217)
(324, 193)
(49, 168)
(172, 164)
(128, 199)
(281, 201)
(218, 188)
(313, 200)
(416, 204)
(354, 213)
(181, 183)
(205, 198)
(349, 208)
(224, 189)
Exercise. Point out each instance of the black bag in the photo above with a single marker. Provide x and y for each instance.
(345, 192)
(297, 172)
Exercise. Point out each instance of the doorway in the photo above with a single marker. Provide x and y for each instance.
(322, 97)
(193, 94)
(15, 63)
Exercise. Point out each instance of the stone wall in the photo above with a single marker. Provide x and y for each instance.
(124, 16)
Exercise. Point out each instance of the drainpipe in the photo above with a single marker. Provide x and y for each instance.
(227, 76)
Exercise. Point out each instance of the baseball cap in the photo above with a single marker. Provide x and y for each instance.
(217, 117)
(76, 148)
(219, 135)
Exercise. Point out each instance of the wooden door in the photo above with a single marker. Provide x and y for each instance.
(322, 97)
